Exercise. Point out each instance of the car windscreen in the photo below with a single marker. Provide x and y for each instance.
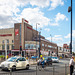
(45, 58)
(12, 59)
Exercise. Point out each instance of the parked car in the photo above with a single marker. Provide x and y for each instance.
(46, 61)
(55, 59)
(34, 57)
(14, 63)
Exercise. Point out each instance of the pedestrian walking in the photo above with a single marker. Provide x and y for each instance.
(71, 64)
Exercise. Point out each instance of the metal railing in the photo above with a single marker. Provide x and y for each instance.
(49, 70)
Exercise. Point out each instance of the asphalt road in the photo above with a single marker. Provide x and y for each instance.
(55, 69)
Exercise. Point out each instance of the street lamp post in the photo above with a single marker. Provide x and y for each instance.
(36, 37)
(51, 37)
(39, 42)
(70, 10)
(51, 43)
(6, 49)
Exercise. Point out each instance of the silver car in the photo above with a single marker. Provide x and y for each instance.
(55, 59)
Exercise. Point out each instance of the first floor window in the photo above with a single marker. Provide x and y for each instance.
(3, 41)
(12, 46)
(7, 47)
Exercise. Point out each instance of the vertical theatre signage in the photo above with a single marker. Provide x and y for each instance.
(16, 33)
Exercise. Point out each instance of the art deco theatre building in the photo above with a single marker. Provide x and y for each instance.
(23, 35)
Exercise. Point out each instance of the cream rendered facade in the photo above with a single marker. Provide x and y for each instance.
(6, 34)
(63, 52)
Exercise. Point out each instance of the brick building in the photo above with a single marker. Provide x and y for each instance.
(24, 35)
(66, 46)
(64, 51)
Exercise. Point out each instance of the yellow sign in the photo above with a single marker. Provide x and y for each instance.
(43, 58)
(60, 57)
(7, 56)
(40, 55)
(74, 59)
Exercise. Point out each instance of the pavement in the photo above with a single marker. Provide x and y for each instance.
(32, 62)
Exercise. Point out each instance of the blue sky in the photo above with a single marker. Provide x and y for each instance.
(52, 15)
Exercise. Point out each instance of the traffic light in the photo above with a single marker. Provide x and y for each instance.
(69, 9)
(20, 48)
(49, 53)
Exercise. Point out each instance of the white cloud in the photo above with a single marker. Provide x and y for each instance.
(68, 35)
(40, 3)
(73, 33)
(9, 7)
(60, 16)
(54, 24)
(57, 38)
(9, 10)
(34, 16)
(73, 41)
(47, 29)
(55, 3)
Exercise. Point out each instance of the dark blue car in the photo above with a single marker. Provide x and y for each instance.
(46, 61)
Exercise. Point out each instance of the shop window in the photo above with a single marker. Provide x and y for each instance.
(7, 41)
(66, 50)
(3, 41)
(2, 53)
(34, 46)
(31, 46)
(12, 46)
(42, 44)
(7, 47)
(3, 47)
(63, 49)
(26, 46)
(49, 46)
(12, 41)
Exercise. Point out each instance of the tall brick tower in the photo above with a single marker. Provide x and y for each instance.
(23, 32)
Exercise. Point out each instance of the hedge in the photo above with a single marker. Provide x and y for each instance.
(2, 56)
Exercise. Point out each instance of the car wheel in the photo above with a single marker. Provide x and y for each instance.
(13, 68)
(27, 67)
(50, 64)
(2, 69)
